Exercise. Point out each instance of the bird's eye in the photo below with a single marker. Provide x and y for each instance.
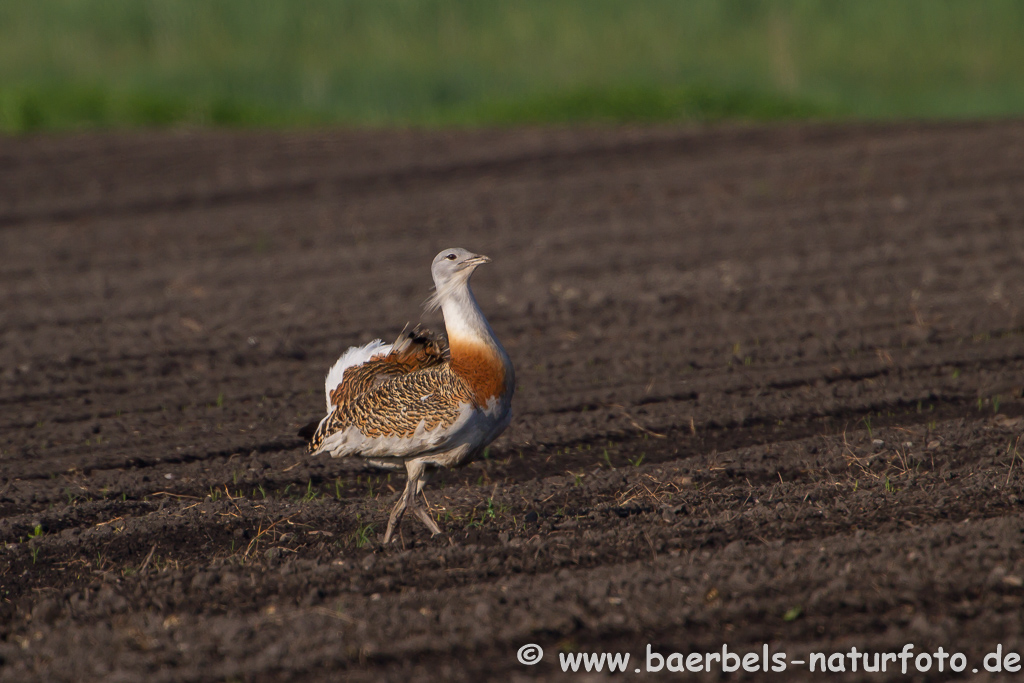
(450, 257)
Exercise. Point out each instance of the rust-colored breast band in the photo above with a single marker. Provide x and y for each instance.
(480, 367)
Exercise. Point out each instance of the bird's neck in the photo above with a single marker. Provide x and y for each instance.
(476, 354)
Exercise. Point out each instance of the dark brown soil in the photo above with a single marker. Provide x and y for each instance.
(769, 393)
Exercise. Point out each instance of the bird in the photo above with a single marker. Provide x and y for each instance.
(416, 404)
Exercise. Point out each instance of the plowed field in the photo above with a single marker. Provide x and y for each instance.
(769, 395)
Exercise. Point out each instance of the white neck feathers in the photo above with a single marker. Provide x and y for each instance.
(463, 319)
(475, 350)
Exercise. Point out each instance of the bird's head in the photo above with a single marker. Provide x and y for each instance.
(451, 269)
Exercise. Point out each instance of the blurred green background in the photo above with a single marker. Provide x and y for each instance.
(68, 64)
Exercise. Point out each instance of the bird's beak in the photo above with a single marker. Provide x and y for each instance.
(475, 261)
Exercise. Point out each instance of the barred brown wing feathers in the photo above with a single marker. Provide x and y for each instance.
(432, 397)
(413, 351)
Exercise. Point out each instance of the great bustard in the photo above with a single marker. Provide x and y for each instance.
(410, 404)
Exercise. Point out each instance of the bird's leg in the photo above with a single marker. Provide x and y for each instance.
(413, 485)
(422, 513)
(396, 516)
(423, 481)
(408, 496)
(418, 477)
(422, 505)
